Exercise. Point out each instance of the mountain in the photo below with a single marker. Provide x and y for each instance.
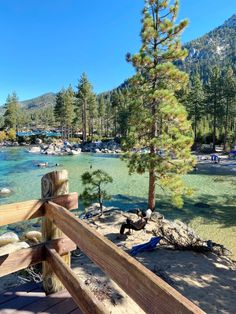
(42, 101)
(216, 48)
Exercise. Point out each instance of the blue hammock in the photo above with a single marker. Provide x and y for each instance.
(145, 246)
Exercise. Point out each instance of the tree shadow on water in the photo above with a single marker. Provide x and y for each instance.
(211, 209)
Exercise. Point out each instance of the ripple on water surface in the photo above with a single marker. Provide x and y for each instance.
(211, 210)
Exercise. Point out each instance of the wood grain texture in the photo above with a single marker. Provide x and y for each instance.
(53, 184)
(50, 304)
(24, 258)
(17, 212)
(148, 290)
(84, 298)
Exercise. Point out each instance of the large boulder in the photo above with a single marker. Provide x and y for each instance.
(8, 237)
(5, 191)
(34, 237)
(35, 150)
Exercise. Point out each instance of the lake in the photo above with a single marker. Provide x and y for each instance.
(211, 211)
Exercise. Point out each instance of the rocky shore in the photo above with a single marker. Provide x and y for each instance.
(61, 148)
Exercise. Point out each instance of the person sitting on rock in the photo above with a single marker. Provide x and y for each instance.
(138, 224)
(133, 225)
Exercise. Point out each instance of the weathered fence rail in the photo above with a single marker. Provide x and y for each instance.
(148, 290)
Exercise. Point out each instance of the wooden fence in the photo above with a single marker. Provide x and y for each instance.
(62, 231)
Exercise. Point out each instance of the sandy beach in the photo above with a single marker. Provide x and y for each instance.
(206, 279)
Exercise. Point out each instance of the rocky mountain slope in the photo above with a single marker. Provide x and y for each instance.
(44, 100)
(216, 48)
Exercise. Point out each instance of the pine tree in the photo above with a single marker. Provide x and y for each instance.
(195, 103)
(64, 110)
(12, 113)
(215, 100)
(85, 99)
(101, 114)
(92, 114)
(159, 121)
(124, 113)
(94, 183)
(230, 105)
(69, 109)
(58, 109)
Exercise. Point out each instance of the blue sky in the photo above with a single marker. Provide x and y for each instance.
(47, 44)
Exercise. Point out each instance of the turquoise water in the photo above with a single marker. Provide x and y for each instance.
(214, 188)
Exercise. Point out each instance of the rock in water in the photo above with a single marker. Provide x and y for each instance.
(13, 247)
(35, 150)
(4, 191)
(8, 237)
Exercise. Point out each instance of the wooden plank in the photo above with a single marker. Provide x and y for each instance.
(64, 307)
(148, 290)
(16, 212)
(84, 298)
(17, 291)
(22, 301)
(27, 257)
(49, 303)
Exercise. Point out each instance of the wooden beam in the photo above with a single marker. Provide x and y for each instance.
(80, 293)
(152, 293)
(17, 212)
(24, 258)
(53, 184)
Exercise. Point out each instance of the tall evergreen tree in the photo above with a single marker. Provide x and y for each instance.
(230, 103)
(159, 121)
(12, 113)
(85, 99)
(92, 114)
(195, 103)
(58, 108)
(215, 100)
(101, 114)
(64, 110)
(69, 109)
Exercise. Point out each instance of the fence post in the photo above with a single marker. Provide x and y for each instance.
(53, 184)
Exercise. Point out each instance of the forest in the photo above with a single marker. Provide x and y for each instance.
(211, 107)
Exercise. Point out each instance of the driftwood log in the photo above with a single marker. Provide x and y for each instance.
(182, 237)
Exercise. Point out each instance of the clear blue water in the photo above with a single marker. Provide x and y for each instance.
(214, 186)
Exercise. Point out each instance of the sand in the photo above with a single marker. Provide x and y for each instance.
(206, 279)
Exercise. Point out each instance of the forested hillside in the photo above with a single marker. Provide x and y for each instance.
(216, 48)
(44, 100)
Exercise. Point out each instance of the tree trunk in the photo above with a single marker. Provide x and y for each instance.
(100, 199)
(226, 125)
(84, 122)
(152, 175)
(195, 125)
(151, 192)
